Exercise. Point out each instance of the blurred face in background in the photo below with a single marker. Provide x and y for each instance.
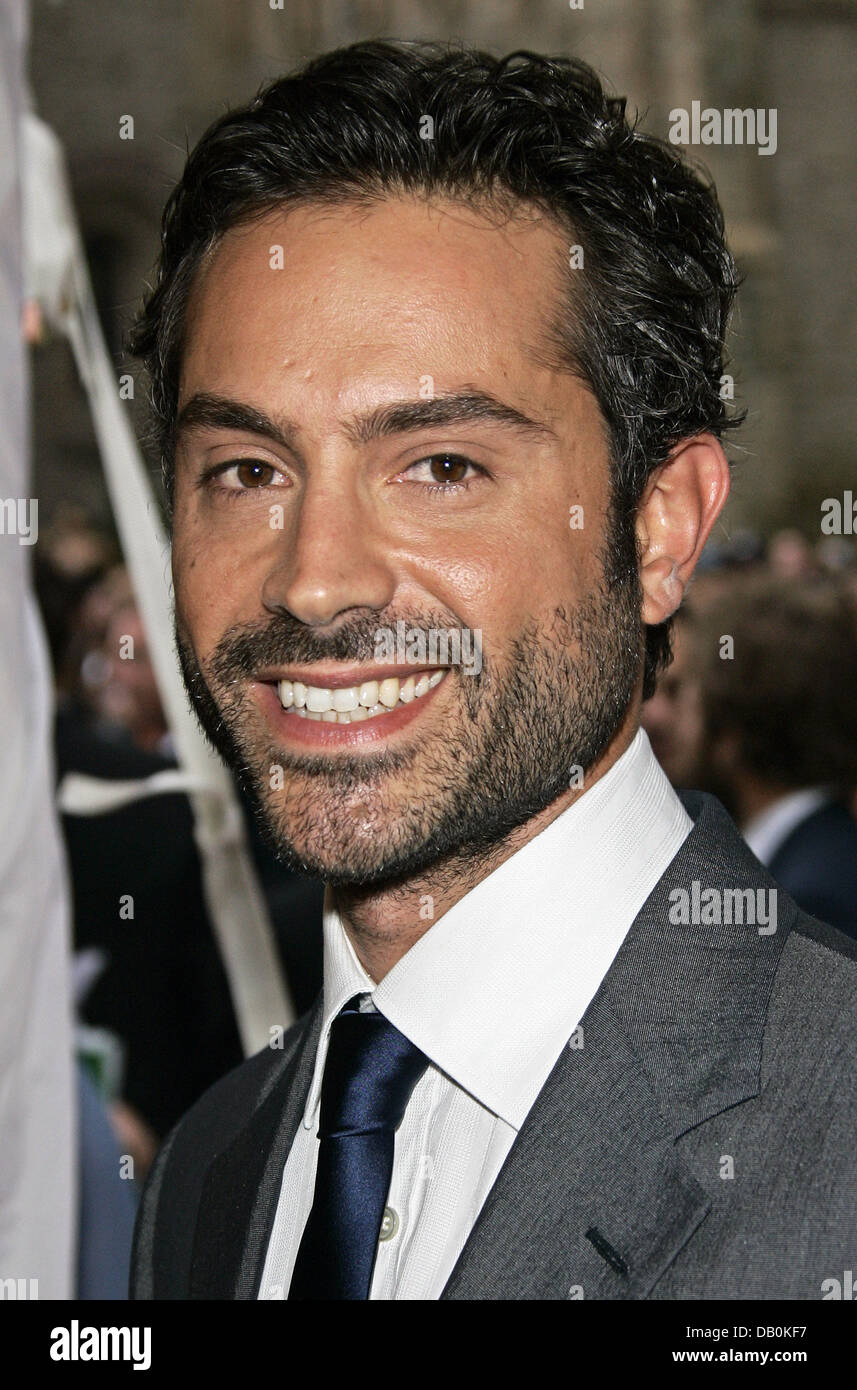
(129, 694)
(116, 678)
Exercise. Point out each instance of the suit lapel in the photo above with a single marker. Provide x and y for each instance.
(595, 1200)
(242, 1187)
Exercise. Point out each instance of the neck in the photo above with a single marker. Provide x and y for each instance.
(384, 922)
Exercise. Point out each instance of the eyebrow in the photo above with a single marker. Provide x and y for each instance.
(469, 406)
(206, 411)
(455, 408)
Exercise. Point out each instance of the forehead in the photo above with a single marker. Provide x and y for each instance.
(346, 296)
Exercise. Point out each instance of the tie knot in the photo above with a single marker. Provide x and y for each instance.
(370, 1072)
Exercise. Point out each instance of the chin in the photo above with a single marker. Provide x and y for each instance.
(333, 849)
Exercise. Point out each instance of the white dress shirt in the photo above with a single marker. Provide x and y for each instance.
(491, 993)
(765, 832)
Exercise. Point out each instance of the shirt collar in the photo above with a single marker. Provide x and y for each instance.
(494, 990)
(344, 977)
(769, 829)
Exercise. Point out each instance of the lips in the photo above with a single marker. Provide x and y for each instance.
(361, 712)
(351, 704)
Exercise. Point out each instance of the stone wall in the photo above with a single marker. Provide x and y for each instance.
(174, 65)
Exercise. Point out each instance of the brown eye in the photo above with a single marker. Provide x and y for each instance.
(448, 468)
(253, 473)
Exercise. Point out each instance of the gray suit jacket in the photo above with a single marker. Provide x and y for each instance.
(700, 1144)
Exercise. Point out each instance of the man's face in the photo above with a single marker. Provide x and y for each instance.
(380, 503)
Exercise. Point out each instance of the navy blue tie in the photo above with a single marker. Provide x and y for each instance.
(370, 1072)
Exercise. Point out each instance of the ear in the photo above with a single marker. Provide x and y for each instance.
(681, 503)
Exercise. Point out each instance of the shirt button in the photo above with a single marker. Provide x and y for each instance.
(389, 1224)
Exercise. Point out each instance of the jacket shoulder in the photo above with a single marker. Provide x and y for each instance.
(813, 1002)
(166, 1218)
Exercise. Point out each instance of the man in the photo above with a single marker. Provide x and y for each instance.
(436, 346)
(777, 674)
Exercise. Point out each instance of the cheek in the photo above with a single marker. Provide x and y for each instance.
(217, 576)
(202, 597)
(500, 578)
(550, 557)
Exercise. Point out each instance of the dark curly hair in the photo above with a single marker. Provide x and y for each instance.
(645, 319)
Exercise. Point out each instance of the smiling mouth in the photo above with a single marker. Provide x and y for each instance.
(354, 704)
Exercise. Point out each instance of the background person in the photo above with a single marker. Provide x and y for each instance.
(778, 686)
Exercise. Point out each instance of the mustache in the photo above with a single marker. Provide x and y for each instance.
(285, 641)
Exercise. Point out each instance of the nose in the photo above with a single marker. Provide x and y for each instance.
(330, 557)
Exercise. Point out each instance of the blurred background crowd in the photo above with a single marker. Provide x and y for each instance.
(760, 703)
(759, 707)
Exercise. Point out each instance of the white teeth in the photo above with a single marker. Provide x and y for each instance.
(345, 699)
(388, 691)
(317, 699)
(351, 704)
